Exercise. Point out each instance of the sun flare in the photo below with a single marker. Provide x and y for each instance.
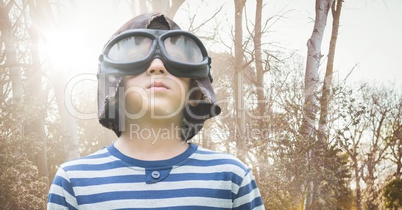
(65, 49)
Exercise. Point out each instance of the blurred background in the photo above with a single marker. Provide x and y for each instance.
(312, 104)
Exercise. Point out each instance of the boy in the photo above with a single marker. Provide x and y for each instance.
(155, 93)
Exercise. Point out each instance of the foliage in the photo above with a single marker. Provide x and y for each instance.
(392, 192)
(20, 185)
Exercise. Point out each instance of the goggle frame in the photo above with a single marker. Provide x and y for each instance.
(157, 50)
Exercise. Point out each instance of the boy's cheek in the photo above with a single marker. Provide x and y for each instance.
(135, 100)
(129, 81)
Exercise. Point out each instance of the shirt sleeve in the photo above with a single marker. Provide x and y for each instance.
(61, 194)
(248, 195)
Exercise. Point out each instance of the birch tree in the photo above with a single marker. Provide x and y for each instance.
(311, 83)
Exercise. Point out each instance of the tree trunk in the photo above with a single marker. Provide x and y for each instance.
(162, 6)
(43, 19)
(326, 89)
(11, 60)
(312, 66)
(311, 82)
(174, 7)
(261, 106)
(69, 133)
(39, 13)
(258, 63)
(238, 79)
(142, 5)
(39, 101)
(356, 170)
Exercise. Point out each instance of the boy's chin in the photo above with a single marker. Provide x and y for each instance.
(164, 112)
(165, 107)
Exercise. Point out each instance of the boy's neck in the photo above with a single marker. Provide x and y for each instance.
(151, 140)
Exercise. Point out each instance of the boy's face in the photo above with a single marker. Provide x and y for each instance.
(155, 93)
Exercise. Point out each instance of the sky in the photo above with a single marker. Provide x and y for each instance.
(369, 38)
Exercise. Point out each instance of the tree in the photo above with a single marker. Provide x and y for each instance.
(380, 106)
(238, 79)
(22, 172)
(36, 94)
(394, 137)
(327, 84)
(261, 143)
(165, 7)
(350, 134)
(310, 106)
(363, 132)
(393, 194)
(287, 171)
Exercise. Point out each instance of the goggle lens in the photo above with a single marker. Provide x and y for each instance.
(130, 49)
(183, 49)
(135, 48)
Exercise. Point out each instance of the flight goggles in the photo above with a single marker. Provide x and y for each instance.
(131, 53)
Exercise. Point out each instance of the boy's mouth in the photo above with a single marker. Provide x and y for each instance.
(157, 85)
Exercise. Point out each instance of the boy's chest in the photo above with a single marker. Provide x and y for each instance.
(156, 189)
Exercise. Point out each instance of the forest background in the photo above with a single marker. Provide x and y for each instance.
(319, 131)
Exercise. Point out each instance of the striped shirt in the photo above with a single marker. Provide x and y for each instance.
(196, 179)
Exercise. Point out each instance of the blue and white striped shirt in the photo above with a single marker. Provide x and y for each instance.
(196, 179)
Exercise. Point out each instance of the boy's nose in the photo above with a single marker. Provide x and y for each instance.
(156, 68)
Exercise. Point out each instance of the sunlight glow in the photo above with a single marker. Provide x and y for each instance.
(65, 49)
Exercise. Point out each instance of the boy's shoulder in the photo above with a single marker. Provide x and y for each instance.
(99, 157)
(215, 153)
(220, 159)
